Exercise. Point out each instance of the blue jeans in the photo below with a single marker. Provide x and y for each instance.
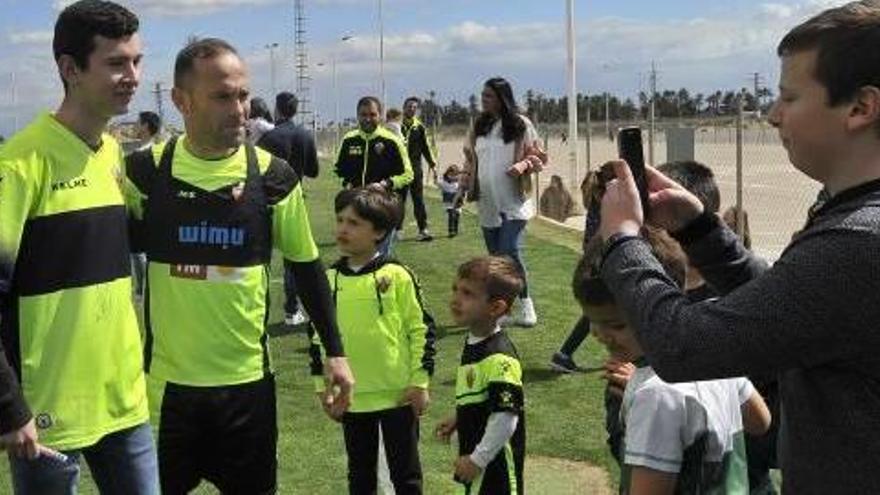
(121, 463)
(506, 240)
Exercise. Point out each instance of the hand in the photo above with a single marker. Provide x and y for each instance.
(466, 470)
(536, 150)
(621, 206)
(340, 385)
(518, 168)
(417, 398)
(325, 398)
(22, 442)
(618, 375)
(446, 428)
(672, 206)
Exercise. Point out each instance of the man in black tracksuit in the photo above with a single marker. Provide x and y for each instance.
(416, 136)
(371, 154)
(296, 146)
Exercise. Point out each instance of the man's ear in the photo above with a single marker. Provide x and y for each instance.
(181, 100)
(69, 71)
(380, 234)
(865, 109)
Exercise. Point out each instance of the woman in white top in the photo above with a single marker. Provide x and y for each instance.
(501, 153)
(259, 120)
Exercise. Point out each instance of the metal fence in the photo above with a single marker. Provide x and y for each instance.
(773, 193)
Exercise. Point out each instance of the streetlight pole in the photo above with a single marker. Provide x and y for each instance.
(336, 123)
(271, 47)
(382, 54)
(14, 100)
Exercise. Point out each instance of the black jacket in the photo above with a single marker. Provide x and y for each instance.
(367, 158)
(293, 144)
(416, 136)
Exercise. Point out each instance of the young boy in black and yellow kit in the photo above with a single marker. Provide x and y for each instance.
(389, 339)
(489, 412)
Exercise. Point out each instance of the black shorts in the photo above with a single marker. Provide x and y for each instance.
(226, 435)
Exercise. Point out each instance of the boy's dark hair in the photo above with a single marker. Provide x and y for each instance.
(367, 100)
(412, 98)
(151, 120)
(846, 39)
(696, 178)
(80, 22)
(498, 274)
(393, 113)
(198, 49)
(373, 203)
(286, 104)
(587, 284)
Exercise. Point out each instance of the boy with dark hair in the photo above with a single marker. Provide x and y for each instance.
(389, 338)
(678, 438)
(71, 367)
(489, 413)
(812, 318)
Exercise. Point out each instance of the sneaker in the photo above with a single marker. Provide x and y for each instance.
(527, 316)
(563, 363)
(424, 236)
(294, 319)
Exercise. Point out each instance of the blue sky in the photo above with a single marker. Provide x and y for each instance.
(448, 46)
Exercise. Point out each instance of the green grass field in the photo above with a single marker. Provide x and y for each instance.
(565, 416)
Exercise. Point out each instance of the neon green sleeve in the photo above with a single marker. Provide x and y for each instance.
(17, 195)
(404, 179)
(419, 330)
(291, 228)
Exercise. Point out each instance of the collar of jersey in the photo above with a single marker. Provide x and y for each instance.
(373, 265)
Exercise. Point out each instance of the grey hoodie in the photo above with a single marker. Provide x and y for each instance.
(813, 318)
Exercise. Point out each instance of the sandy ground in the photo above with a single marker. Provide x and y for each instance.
(554, 476)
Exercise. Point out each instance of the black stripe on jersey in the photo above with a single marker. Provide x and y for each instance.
(498, 343)
(279, 180)
(72, 249)
(140, 168)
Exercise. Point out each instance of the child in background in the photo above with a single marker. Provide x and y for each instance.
(489, 413)
(450, 190)
(394, 121)
(389, 339)
(678, 437)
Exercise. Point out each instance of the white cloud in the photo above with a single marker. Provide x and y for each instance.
(31, 37)
(179, 8)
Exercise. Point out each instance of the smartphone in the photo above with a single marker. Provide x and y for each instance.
(629, 147)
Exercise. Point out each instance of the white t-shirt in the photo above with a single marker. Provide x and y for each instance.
(499, 193)
(256, 128)
(693, 429)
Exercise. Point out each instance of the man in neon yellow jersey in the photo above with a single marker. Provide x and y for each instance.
(210, 210)
(71, 377)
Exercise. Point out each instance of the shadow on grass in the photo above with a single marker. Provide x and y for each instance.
(280, 329)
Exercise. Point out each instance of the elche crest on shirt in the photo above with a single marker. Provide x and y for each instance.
(470, 376)
(379, 148)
